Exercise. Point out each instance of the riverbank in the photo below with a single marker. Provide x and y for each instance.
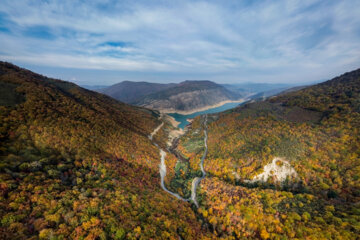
(162, 167)
(174, 133)
(172, 120)
(203, 108)
(184, 119)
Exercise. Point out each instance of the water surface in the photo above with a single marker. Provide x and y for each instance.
(182, 118)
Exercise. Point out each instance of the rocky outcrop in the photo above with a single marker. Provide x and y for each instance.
(279, 169)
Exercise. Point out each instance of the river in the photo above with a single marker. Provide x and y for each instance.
(183, 118)
(162, 167)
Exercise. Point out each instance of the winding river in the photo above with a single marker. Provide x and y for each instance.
(162, 167)
(197, 180)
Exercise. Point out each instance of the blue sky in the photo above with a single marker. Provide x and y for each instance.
(104, 42)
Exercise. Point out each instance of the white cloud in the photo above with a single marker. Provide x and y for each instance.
(262, 41)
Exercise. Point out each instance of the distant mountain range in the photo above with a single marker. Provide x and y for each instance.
(257, 87)
(132, 92)
(94, 87)
(187, 95)
(259, 90)
(184, 96)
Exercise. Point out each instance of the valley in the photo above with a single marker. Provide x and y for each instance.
(268, 164)
(189, 97)
(84, 165)
(278, 178)
(179, 120)
(162, 168)
(183, 118)
(76, 164)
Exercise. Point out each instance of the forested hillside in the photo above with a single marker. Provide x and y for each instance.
(188, 96)
(287, 167)
(132, 92)
(75, 164)
(184, 96)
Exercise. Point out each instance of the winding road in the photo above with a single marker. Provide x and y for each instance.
(163, 174)
(155, 131)
(162, 166)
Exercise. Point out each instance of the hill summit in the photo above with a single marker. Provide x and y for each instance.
(185, 96)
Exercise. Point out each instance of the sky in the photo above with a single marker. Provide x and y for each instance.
(103, 42)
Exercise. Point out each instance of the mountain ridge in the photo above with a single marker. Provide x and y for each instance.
(130, 92)
(184, 96)
(289, 162)
(77, 164)
(187, 96)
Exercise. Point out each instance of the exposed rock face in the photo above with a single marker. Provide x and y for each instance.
(186, 101)
(184, 96)
(187, 96)
(279, 168)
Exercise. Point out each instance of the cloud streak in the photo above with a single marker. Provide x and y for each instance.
(238, 41)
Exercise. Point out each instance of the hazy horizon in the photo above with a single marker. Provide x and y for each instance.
(101, 83)
(102, 43)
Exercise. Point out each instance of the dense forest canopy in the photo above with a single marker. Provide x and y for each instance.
(315, 131)
(75, 164)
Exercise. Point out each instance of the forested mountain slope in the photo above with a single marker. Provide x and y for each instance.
(184, 96)
(75, 164)
(132, 92)
(187, 96)
(287, 167)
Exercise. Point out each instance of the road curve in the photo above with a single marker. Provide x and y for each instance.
(162, 167)
(163, 174)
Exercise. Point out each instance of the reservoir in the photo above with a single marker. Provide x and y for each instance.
(182, 118)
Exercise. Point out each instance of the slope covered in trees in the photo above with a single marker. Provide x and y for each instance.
(316, 130)
(132, 92)
(75, 164)
(184, 96)
(188, 96)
